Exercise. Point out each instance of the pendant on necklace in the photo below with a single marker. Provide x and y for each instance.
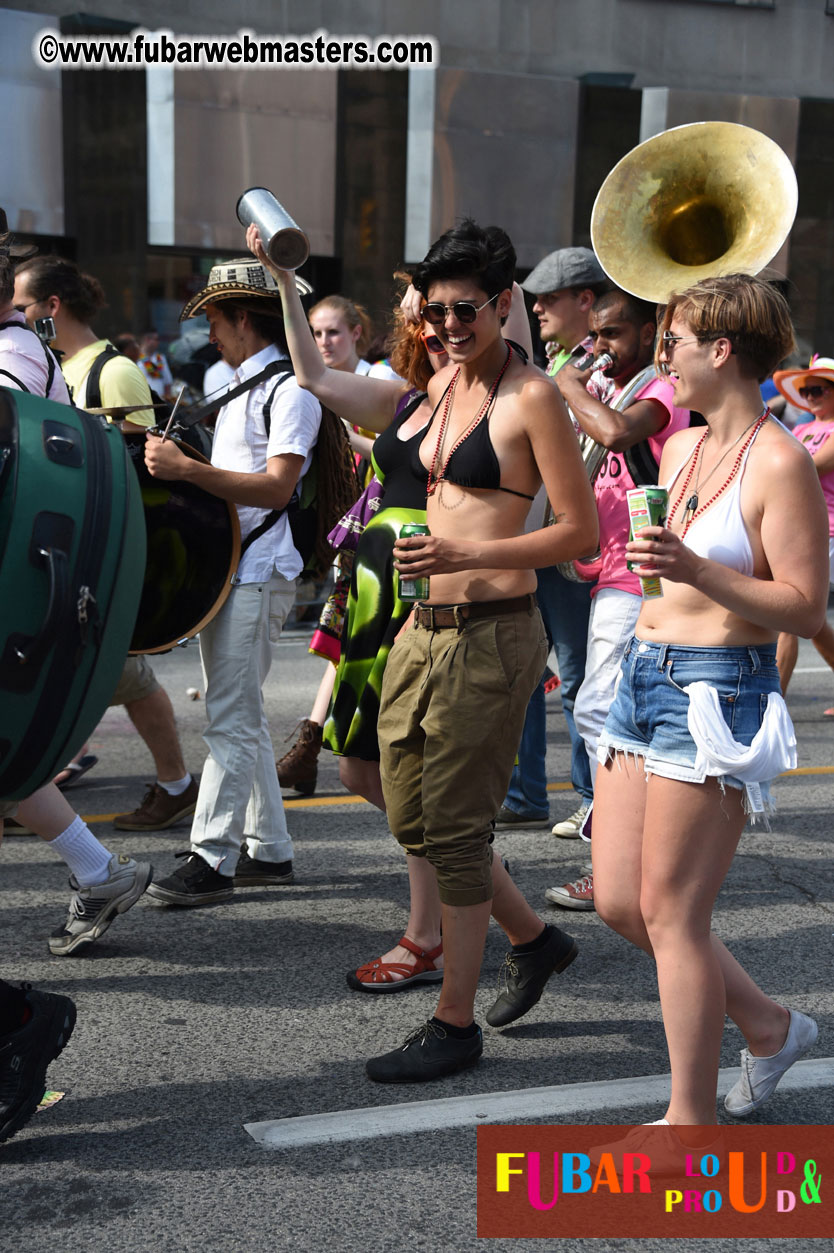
(692, 503)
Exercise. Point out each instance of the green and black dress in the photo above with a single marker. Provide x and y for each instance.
(375, 612)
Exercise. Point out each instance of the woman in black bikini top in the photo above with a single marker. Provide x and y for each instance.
(473, 462)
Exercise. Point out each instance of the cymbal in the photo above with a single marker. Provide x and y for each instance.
(121, 411)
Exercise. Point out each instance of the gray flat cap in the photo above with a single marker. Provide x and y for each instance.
(566, 267)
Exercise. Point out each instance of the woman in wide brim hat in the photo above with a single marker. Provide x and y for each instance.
(812, 389)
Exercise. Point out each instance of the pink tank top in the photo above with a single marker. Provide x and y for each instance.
(814, 435)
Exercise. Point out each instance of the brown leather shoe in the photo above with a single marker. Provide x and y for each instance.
(159, 809)
(298, 768)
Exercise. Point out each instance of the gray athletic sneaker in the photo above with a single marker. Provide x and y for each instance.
(93, 909)
(760, 1075)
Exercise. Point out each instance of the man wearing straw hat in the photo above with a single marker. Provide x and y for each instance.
(262, 448)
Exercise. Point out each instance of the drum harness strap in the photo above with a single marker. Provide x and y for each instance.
(50, 360)
(285, 369)
(282, 367)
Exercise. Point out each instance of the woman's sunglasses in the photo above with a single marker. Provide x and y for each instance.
(815, 392)
(464, 310)
(433, 342)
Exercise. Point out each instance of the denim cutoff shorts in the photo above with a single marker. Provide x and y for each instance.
(649, 714)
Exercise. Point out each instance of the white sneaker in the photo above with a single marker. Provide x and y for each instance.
(760, 1075)
(569, 828)
(92, 909)
(667, 1152)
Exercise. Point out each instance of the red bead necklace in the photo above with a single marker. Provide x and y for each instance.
(693, 508)
(434, 479)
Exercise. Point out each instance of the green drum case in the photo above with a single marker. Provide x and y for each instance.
(72, 558)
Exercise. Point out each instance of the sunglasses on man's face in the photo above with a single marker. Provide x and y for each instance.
(815, 392)
(464, 310)
(433, 343)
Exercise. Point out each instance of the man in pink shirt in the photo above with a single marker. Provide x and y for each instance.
(26, 363)
(630, 411)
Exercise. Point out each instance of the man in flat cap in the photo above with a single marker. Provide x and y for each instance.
(565, 285)
(263, 443)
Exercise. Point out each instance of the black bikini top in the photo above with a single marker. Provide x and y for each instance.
(393, 459)
(474, 462)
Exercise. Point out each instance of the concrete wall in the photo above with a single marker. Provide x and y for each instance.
(496, 147)
(214, 133)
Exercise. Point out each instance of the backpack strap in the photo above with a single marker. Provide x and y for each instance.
(50, 359)
(274, 514)
(15, 379)
(93, 394)
(267, 409)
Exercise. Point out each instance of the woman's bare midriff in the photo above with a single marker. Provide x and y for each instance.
(474, 514)
(685, 616)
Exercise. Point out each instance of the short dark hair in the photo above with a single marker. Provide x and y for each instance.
(265, 317)
(637, 312)
(82, 294)
(483, 253)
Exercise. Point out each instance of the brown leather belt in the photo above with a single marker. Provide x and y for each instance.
(437, 617)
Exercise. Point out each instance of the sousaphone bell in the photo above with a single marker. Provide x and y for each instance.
(693, 202)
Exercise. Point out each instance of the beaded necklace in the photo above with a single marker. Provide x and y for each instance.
(436, 478)
(693, 508)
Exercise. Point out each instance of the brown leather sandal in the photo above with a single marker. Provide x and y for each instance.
(377, 976)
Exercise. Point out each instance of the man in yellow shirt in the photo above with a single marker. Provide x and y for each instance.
(54, 287)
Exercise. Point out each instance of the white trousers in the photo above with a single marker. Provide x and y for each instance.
(240, 797)
(611, 625)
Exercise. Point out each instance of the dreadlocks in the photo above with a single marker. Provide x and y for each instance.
(337, 486)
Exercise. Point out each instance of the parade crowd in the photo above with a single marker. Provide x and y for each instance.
(511, 482)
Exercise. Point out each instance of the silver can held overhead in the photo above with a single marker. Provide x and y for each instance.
(285, 243)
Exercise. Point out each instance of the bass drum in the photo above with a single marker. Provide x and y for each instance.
(193, 552)
(72, 552)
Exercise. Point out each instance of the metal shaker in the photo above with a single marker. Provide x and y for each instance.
(285, 243)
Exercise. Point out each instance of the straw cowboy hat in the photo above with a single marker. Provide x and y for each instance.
(790, 381)
(18, 252)
(244, 278)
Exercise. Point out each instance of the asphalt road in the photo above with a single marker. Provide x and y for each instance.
(193, 1023)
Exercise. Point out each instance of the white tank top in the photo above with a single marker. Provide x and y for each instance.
(719, 534)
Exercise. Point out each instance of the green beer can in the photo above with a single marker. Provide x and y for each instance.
(412, 589)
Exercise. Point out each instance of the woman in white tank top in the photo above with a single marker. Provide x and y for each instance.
(697, 727)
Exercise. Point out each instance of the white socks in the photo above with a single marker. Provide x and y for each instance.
(87, 858)
(177, 787)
